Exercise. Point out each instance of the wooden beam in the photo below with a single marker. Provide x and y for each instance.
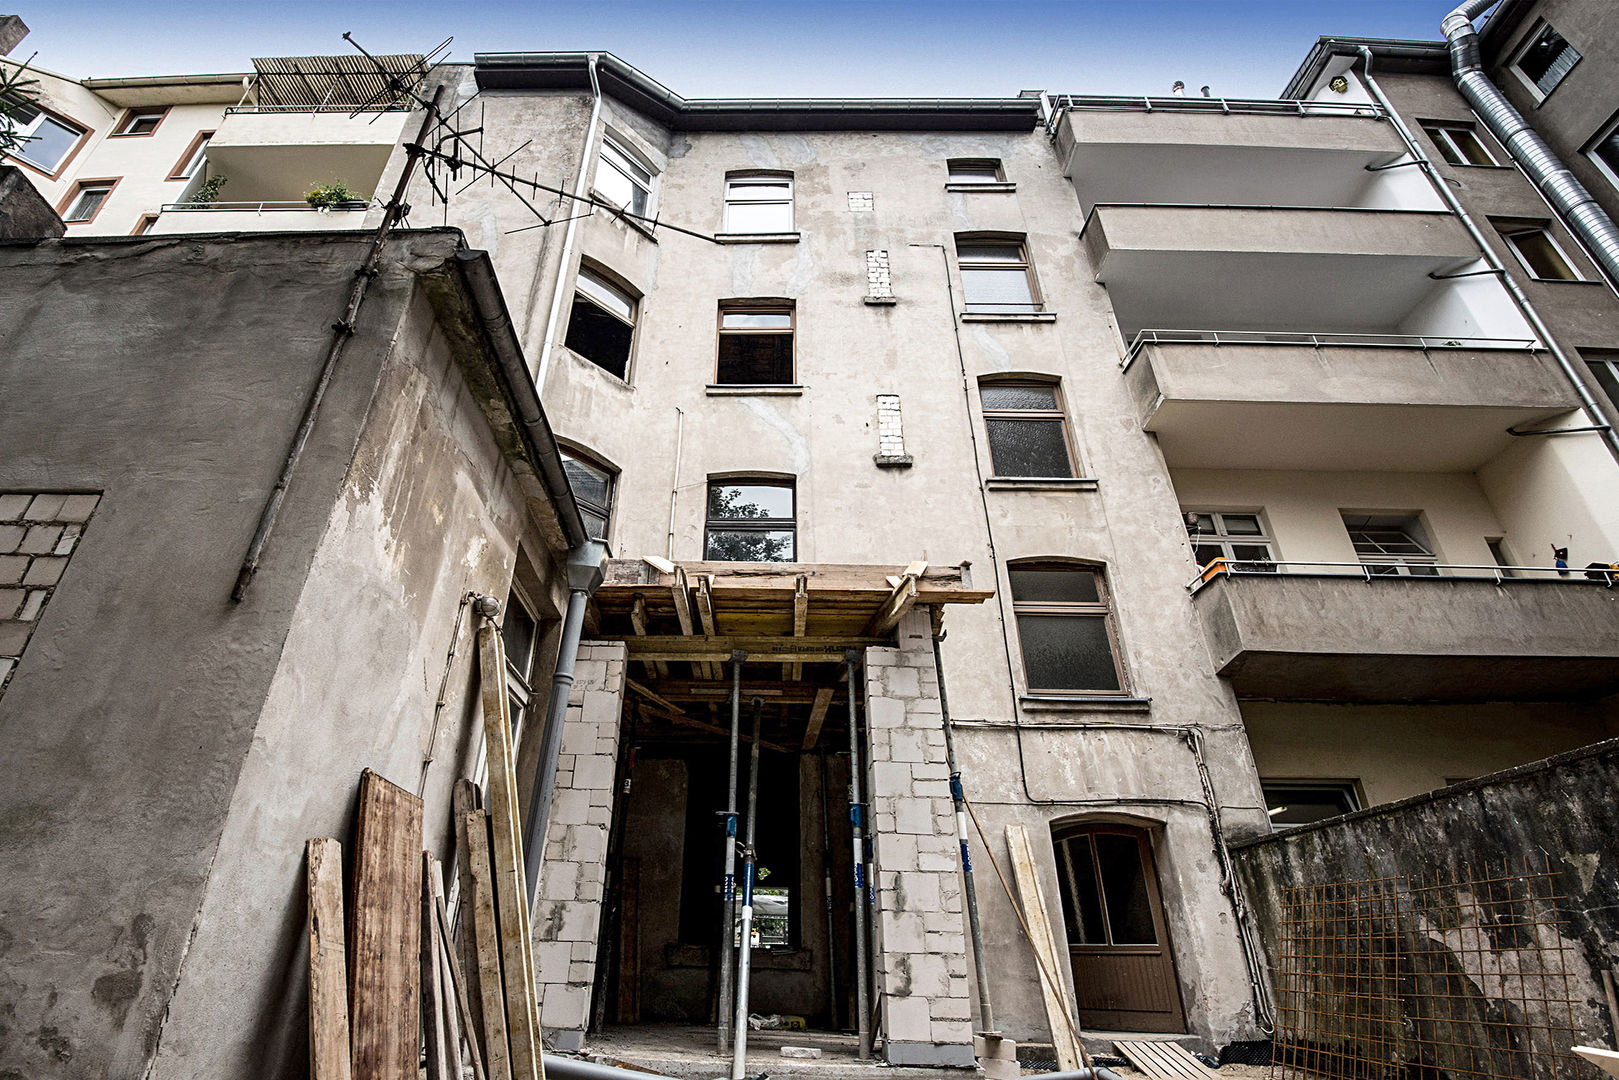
(638, 622)
(464, 1009)
(812, 731)
(651, 696)
(1045, 946)
(680, 596)
(434, 1030)
(658, 563)
(683, 693)
(809, 650)
(478, 901)
(385, 1019)
(328, 964)
(705, 614)
(795, 671)
(465, 798)
(900, 601)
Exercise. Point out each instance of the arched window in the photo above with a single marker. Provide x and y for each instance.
(592, 484)
(751, 519)
(1027, 428)
(1065, 628)
(601, 325)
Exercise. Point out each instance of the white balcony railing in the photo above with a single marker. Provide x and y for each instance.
(1145, 338)
(1270, 106)
(1393, 568)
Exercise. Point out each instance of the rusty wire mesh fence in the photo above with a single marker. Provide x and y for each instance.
(1459, 975)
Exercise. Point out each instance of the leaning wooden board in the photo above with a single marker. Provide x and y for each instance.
(328, 964)
(1163, 1060)
(385, 932)
(1045, 946)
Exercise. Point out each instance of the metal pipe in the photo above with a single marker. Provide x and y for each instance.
(1592, 410)
(1071, 1074)
(674, 484)
(567, 1068)
(750, 864)
(728, 894)
(986, 1012)
(587, 156)
(585, 573)
(862, 1008)
(826, 888)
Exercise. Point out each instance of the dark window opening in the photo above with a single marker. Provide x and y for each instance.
(1302, 804)
(777, 841)
(1105, 892)
(1547, 60)
(592, 486)
(601, 326)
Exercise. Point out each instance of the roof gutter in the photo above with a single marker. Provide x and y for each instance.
(479, 275)
(1585, 218)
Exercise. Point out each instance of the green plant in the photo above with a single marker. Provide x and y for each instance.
(19, 99)
(330, 194)
(207, 191)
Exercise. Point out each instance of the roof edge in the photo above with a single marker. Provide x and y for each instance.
(1403, 54)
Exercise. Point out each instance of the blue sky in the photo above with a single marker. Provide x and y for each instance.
(757, 48)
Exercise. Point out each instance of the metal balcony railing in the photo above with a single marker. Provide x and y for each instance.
(1394, 568)
(299, 204)
(1276, 107)
(1145, 338)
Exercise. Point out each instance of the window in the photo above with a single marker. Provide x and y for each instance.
(1545, 60)
(996, 276)
(1236, 538)
(520, 633)
(1538, 252)
(47, 141)
(592, 489)
(759, 203)
(140, 121)
(976, 171)
(1604, 365)
(755, 344)
(144, 225)
(1459, 144)
(1064, 627)
(751, 520)
(192, 159)
(601, 326)
(1391, 546)
(1028, 433)
(1103, 879)
(623, 179)
(87, 200)
(1604, 151)
(1303, 802)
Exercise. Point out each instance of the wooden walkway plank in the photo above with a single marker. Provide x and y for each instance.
(1161, 1059)
(1045, 945)
(385, 935)
(328, 964)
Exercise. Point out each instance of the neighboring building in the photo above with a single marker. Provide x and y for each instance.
(1213, 417)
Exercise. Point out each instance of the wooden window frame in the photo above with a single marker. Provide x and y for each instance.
(198, 142)
(752, 176)
(1102, 609)
(1442, 133)
(763, 306)
(590, 460)
(1060, 414)
(143, 225)
(996, 164)
(85, 131)
(135, 113)
(750, 524)
(1024, 262)
(109, 182)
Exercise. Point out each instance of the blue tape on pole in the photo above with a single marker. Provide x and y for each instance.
(955, 788)
(730, 824)
(747, 884)
(966, 859)
(859, 877)
(856, 816)
(730, 888)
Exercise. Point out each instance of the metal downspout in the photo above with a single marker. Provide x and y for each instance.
(584, 576)
(1542, 331)
(586, 157)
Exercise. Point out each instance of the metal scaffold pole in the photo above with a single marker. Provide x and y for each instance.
(728, 893)
(862, 1009)
(826, 886)
(750, 864)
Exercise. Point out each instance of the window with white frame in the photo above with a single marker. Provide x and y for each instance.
(623, 178)
(1604, 150)
(1027, 429)
(192, 159)
(87, 201)
(755, 343)
(759, 203)
(1391, 545)
(996, 277)
(1239, 539)
(45, 140)
(1545, 60)
(1539, 252)
(975, 171)
(1065, 628)
(141, 121)
(601, 325)
(592, 485)
(1458, 143)
(520, 633)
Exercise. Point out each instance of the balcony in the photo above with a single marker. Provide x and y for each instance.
(253, 217)
(280, 154)
(1217, 150)
(1354, 270)
(1339, 401)
(1340, 632)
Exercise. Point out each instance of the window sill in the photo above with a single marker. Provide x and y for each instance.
(1078, 702)
(753, 389)
(1562, 281)
(1041, 483)
(1009, 316)
(757, 238)
(1004, 186)
(880, 301)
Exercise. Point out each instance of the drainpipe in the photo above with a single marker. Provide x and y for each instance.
(1592, 410)
(1585, 218)
(584, 576)
(750, 869)
(586, 157)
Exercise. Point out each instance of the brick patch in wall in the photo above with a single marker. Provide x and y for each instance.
(38, 534)
(861, 202)
(879, 278)
(890, 435)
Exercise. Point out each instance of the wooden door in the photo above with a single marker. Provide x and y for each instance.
(1124, 971)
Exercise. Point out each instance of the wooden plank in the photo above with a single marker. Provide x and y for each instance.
(900, 601)
(851, 578)
(434, 1034)
(506, 847)
(629, 941)
(817, 650)
(457, 1010)
(328, 964)
(1045, 946)
(659, 563)
(464, 799)
(705, 618)
(652, 696)
(638, 623)
(1161, 1059)
(385, 932)
(1606, 1060)
(795, 670)
(680, 598)
(812, 731)
(480, 903)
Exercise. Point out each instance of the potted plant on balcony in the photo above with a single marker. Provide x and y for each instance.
(336, 195)
(207, 191)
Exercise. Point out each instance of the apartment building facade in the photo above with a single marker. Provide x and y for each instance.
(1221, 435)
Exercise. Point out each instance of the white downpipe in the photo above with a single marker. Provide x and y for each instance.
(586, 159)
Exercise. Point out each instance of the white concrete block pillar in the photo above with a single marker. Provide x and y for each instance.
(567, 911)
(921, 950)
